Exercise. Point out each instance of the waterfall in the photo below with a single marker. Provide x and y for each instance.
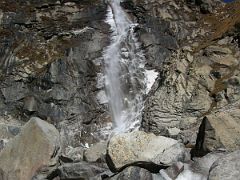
(125, 76)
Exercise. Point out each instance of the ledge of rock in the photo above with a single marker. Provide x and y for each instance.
(142, 149)
(36, 147)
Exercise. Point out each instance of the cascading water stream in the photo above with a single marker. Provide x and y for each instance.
(125, 79)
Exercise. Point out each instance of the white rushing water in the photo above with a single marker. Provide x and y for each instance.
(125, 76)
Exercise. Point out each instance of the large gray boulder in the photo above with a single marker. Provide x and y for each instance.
(143, 149)
(36, 147)
(226, 168)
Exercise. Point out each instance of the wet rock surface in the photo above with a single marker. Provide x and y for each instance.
(96, 153)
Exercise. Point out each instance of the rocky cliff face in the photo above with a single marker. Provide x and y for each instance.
(50, 55)
(195, 49)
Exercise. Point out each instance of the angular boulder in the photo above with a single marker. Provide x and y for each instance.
(142, 149)
(173, 171)
(226, 168)
(96, 152)
(199, 168)
(133, 173)
(75, 154)
(219, 130)
(36, 147)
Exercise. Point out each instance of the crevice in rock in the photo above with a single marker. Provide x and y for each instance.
(199, 150)
(150, 166)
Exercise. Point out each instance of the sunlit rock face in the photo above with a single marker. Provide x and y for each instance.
(189, 63)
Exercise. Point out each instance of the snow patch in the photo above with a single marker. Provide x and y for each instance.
(151, 76)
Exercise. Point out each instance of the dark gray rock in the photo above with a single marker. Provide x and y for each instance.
(133, 173)
(206, 6)
(157, 55)
(48, 65)
(15, 92)
(81, 170)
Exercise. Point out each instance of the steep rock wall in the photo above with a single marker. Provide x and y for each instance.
(50, 55)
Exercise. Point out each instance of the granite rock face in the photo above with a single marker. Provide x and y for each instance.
(37, 147)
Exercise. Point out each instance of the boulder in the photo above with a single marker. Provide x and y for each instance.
(75, 154)
(133, 173)
(226, 168)
(96, 152)
(173, 171)
(202, 165)
(36, 147)
(80, 170)
(15, 92)
(142, 149)
(219, 130)
(198, 169)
